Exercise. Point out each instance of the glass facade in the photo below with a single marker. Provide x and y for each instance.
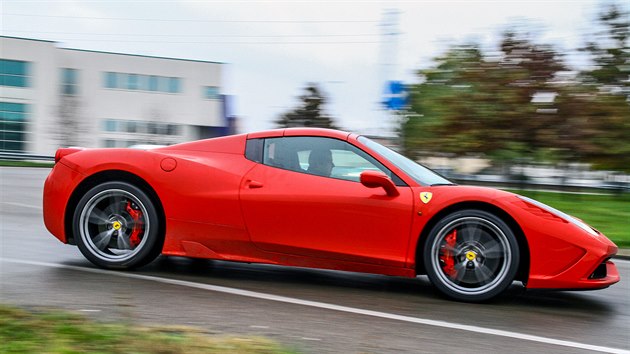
(14, 73)
(13, 126)
(138, 82)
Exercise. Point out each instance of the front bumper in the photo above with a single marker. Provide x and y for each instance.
(563, 255)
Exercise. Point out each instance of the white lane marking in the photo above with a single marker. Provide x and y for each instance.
(88, 310)
(23, 205)
(323, 305)
(259, 327)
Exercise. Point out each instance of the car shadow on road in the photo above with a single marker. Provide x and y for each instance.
(302, 281)
(556, 299)
(243, 274)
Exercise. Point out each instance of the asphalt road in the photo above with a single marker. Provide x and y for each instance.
(312, 311)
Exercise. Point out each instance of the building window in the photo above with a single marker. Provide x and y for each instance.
(138, 82)
(14, 73)
(111, 80)
(143, 83)
(173, 85)
(152, 128)
(132, 82)
(163, 84)
(211, 92)
(110, 125)
(153, 83)
(13, 126)
(141, 127)
(131, 127)
(125, 133)
(172, 129)
(123, 81)
(69, 80)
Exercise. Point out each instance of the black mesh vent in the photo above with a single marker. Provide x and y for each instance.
(600, 271)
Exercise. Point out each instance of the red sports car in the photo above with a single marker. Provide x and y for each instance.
(316, 198)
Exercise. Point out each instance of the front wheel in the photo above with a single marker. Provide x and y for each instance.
(471, 255)
(116, 226)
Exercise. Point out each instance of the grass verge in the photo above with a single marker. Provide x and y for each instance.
(10, 163)
(610, 214)
(23, 331)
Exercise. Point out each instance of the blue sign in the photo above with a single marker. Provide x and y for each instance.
(395, 96)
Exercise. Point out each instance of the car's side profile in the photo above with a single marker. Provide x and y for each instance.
(316, 198)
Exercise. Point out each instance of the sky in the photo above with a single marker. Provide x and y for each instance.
(272, 49)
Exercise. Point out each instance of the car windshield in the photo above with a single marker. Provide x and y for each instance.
(419, 173)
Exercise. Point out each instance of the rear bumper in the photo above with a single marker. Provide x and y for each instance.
(58, 189)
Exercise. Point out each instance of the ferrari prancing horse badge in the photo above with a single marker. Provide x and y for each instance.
(426, 197)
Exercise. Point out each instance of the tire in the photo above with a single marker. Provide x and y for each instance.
(471, 255)
(116, 226)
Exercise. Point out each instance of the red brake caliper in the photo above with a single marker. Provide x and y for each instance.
(136, 215)
(447, 257)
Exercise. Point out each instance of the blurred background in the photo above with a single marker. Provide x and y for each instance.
(508, 93)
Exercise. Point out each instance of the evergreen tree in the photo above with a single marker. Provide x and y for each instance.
(309, 113)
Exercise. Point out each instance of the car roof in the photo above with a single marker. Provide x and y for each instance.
(330, 133)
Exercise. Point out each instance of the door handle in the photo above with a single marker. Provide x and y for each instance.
(254, 184)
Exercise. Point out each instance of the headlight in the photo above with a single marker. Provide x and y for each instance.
(560, 214)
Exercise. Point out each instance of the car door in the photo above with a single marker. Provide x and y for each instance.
(292, 207)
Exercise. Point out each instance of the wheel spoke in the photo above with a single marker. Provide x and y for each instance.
(102, 240)
(98, 216)
(460, 272)
(471, 232)
(494, 251)
(123, 243)
(449, 248)
(486, 273)
(476, 277)
(117, 204)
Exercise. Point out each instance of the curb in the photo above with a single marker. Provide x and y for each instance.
(623, 253)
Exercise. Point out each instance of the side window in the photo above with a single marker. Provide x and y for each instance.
(254, 150)
(350, 163)
(324, 157)
(282, 153)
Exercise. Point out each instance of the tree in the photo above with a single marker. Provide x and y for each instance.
(607, 86)
(69, 127)
(309, 113)
(483, 105)
(609, 50)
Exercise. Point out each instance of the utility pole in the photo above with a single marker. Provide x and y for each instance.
(390, 85)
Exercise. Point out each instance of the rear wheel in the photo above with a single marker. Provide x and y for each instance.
(471, 255)
(116, 226)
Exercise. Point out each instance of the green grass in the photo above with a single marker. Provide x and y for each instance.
(10, 163)
(24, 331)
(610, 214)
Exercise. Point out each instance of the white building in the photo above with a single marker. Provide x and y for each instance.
(52, 96)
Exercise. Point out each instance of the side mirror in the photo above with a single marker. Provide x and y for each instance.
(375, 179)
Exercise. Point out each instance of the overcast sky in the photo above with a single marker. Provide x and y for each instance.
(274, 48)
